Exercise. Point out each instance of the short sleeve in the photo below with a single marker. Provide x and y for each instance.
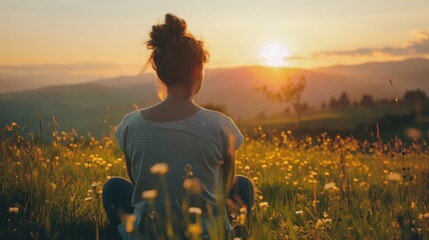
(234, 138)
(120, 135)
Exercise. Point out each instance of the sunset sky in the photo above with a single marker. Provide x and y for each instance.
(107, 34)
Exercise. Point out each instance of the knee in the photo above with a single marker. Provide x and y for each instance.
(244, 184)
(241, 177)
(110, 182)
(114, 183)
(242, 180)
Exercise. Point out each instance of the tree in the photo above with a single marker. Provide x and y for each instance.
(289, 93)
(333, 103)
(344, 101)
(414, 97)
(367, 101)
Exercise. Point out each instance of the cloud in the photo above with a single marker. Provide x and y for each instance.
(418, 45)
(296, 57)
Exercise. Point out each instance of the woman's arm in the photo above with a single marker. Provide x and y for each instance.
(228, 172)
(128, 164)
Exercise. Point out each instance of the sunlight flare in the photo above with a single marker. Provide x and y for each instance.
(274, 54)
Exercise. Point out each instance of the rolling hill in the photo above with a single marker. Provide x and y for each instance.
(83, 106)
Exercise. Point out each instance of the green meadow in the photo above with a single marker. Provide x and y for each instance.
(313, 187)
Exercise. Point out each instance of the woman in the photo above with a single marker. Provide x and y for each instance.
(184, 152)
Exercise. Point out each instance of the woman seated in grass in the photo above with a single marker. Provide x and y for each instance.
(180, 157)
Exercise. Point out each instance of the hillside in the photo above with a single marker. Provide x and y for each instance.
(83, 106)
(237, 85)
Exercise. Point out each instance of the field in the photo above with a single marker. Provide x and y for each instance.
(307, 188)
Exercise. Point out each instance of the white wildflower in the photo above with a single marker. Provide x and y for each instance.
(195, 210)
(13, 209)
(159, 168)
(327, 221)
(299, 212)
(149, 194)
(94, 185)
(263, 205)
(394, 177)
(330, 186)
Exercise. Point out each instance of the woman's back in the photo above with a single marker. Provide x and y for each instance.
(200, 141)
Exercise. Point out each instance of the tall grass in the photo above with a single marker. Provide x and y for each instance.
(312, 188)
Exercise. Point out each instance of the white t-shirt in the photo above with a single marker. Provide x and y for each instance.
(201, 140)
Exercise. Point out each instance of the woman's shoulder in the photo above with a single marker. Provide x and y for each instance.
(131, 117)
(205, 115)
(214, 114)
(217, 118)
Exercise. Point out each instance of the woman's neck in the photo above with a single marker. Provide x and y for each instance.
(179, 94)
(178, 104)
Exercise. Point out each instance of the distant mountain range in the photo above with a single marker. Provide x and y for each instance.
(83, 106)
(27, 77)
(236, 86)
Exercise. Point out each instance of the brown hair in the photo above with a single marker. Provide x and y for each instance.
(176, 54)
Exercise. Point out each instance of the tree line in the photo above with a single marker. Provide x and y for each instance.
(291, 91)
(411, 98)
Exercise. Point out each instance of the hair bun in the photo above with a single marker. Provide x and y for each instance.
(171, 32)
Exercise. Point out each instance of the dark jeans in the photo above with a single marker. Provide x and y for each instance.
(118, 191)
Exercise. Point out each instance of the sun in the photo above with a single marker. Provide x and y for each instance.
(274, 54)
